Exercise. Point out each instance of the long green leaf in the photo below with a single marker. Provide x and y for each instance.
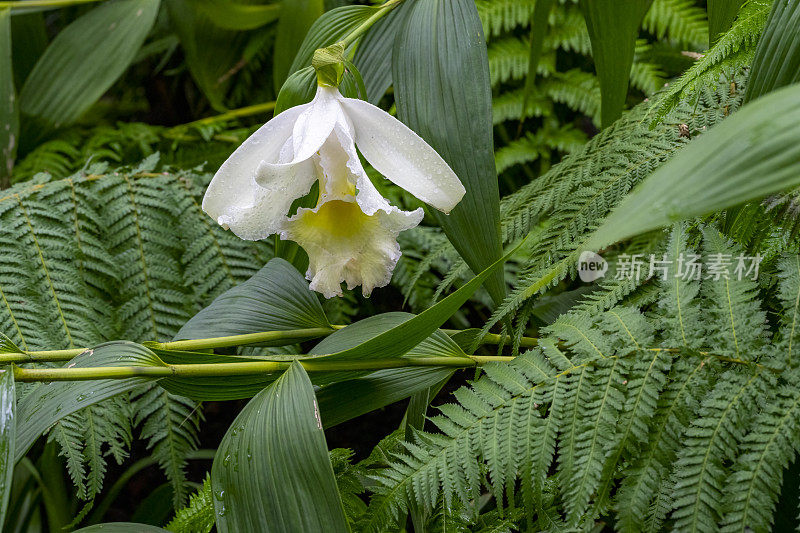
(329, 29)
(121, 527)
(9, 116)
(272, 470)
(721, 14)
(7, 437)
(236, 16)
(441, 79)
(212, 388)
(345, 400)
(751, 154)
(408, 335)
(210, 51)
(83, 61)
(539, 25)
(613, 28)
(276, 298)
(400, 339)
(48, 403)
(777, 59)
(297, 17)
(373, 56)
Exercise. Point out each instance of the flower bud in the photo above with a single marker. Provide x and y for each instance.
(329, 64)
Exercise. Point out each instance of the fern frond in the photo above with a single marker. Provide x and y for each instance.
(198, 516)
(752, 488)
(447, 463)
(700, 472)
(789, 294)
(650, 470)
(169, 423)
(738, 324)
(542, 143)
(730, 54)
(681, 21)
(501, 16)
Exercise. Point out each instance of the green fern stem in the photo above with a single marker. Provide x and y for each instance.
(244, 368)
(228, 342)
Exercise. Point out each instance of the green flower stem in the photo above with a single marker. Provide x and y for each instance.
(385, 8)
(227, 342)
(239, 369)
(44, 4)
(238, 340)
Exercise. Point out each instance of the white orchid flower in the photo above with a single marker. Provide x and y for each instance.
(351, 234)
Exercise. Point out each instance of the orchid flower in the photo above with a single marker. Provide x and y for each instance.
(351, 234)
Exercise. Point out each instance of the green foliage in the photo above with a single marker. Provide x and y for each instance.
(198, 516)
(647, 428)
(646, 404)
(94, 257)
(730, 54)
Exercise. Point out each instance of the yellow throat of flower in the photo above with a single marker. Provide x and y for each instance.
(336, 218)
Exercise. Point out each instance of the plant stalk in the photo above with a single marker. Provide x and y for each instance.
(43, 4)
(226, 342)
(240, 369)
(383, 10)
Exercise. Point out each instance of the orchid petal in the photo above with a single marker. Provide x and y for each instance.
(316, 123)
(401, 155)
(233, 191)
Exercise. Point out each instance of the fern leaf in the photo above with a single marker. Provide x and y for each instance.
(738, 324)
(700, 472)
(789, 293)
(198, 516)
(169, 423)
(753, 486)
(645, 476)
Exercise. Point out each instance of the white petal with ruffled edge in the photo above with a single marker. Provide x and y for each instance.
(348, 239)
(346, 245)
(401, 155)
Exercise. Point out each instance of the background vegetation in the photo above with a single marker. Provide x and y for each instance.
(631, 405)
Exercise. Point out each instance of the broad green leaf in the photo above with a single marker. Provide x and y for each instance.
(297, 17)
(345, 400)
(121, 527)
(33, 29)
(211, 52)
(373, 55)
(753, 153)
(539, 25)
(83, 61)
(441, 80)
(236, 16)
(368, 339)
(7, 436)
(721, 14)
(272, 467)
(400, 339)
(276, 298)
(9, 115)
(348, 343)
(211, 388)
(330, 28)
(613, 28)
(48, 403)
(777, 59)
